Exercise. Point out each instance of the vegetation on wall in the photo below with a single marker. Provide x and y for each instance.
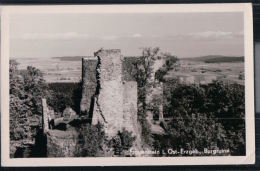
(141, 69)
(91, 140)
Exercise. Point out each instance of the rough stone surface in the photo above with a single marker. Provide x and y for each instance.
(109, 102)
(115, 104)
(45, 114)
(130, 121)
(109, 91)
(89, 82)
(109, 96)
(61, 143)
(68, 114)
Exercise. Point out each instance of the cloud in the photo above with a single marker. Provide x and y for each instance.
(112, 37)
(136, 35)
(63, 36)
(54, 36)
(205, 35)
(215, 35)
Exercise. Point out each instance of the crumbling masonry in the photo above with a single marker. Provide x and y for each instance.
(108, 97)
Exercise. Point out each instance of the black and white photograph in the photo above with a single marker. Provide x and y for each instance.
(89, 84)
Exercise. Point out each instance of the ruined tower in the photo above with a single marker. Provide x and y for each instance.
(106, 96)
(89, 83)
(109, 97)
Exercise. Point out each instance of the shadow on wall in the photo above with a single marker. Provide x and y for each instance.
(39, 149)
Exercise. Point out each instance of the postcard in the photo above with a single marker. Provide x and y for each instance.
(127, 85)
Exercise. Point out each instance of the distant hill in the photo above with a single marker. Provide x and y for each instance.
(69, 58)
(217, 59)
(79, 58)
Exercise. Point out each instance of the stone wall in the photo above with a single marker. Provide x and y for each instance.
(47, 116)
(89, 82)
(109, 92)
(61, 143)
(109, 101)
(45, 121)
(130, 120)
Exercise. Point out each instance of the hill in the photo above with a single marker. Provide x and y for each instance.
(217, 59)
(69, 58)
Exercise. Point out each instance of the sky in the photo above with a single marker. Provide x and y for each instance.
(182, 34)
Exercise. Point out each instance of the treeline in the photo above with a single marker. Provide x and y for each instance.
(204, 116)
(225, 59)
(217, 59)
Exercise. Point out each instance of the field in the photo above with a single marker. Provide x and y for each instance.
(54, 69)
(190, 70)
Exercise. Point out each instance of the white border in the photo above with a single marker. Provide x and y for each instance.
(246, 8)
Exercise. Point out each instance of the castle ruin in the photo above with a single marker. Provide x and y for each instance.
(107, 97)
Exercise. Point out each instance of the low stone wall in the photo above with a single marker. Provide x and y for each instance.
(61, 143)
(47, 116)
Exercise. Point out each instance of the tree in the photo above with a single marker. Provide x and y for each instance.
(19, 116)
(92, 138)
(143, 66)
(228, 106)
(193, 132)
(204, 116)
(124, 140)
(141, 70)
(27, 87)
(63, 95)
(36, 88)
(170, 63)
